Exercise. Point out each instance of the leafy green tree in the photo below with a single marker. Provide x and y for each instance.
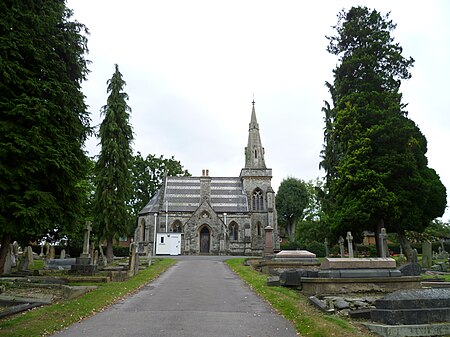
(291, 201)
(312, 226)
(112, 169)
(374, 156)
(43, 120)
(147, 176)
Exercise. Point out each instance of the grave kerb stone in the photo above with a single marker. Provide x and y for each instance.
(358, 263)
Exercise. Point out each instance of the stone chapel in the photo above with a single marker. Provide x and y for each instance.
(213, 215)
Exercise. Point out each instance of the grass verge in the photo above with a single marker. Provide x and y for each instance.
(46, 320)
(308, 321)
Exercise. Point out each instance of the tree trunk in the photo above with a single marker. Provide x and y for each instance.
(379, 225)
(406, 245)
(6, 239)
(109, 250)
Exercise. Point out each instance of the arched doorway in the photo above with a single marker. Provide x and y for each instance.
(205, 238)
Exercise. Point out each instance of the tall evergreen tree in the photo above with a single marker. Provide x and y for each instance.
(374, 156)
(43, 119)
(112, 169)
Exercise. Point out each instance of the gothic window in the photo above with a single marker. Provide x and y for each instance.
(176, 227)
(233, 229)
(258, 228)
(257, 200)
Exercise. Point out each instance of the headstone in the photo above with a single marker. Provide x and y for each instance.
(95, 257)
(350, 244)
(418, 306)
(383, 242)
(327, 249)
(103, 257)
(426, 254)
(25, 262)
(47, 249)
(62, 255)
(7, 265)
(91, 254)
(442, 245)
(268, 247)
(132, 270)
(87, 233)
(410, 269)
(51, 254)
(341, 246)
(42, 251)
(30, 255)
(14, 253)
(414, 256)
(59, 264)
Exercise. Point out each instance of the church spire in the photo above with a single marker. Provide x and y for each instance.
(254, 152)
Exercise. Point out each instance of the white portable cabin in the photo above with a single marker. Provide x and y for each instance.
(168, 244)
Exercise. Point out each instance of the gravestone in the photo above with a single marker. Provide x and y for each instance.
(103, 257)
(383, 243)
(95, 261)
(268, 246)
(62, 255)
(7, 266)
(84, 263)
(426, 254)
(410, 269)
(42, 251)
(327, 249)
(350, 244)
(51, 254)
(414, 306)
(47, 249)
(30, 255)
(341, 246)
(14, 253)
(59, 264)
(133, 261)
(25, 262)
(414, 256)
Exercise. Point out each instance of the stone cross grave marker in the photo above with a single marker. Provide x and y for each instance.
(383, 240)
(350, 244)
(87, 233)
(341, 246)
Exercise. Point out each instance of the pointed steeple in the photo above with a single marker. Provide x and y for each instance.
(254, 152)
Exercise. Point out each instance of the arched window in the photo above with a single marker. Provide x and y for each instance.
(257, 200)
(176, 226)
(258, 228)
(233, 229)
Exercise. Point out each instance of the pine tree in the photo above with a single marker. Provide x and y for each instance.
(43, 119)
(374, 155)
(112, 169)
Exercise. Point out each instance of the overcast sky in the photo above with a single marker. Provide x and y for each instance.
(192, 68)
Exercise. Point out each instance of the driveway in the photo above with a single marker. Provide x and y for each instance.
(197, 297)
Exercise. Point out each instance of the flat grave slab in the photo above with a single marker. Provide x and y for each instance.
(358, 263)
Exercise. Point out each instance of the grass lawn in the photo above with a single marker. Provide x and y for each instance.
(48, 319)
(308, 320)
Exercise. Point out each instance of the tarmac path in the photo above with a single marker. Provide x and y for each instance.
(197, 297)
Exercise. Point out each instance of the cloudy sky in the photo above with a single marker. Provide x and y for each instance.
(193, 67)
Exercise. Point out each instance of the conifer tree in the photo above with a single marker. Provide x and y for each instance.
(374, 155)
(112, 169)
(43, 119)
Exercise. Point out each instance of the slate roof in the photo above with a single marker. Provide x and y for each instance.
(183, 195)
